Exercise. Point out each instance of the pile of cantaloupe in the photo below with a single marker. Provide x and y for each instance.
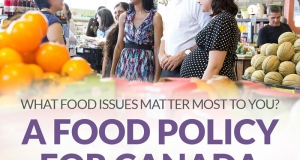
(278, 64)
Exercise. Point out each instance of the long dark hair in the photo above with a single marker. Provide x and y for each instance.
(107, 19)
(147, 5)
(69, 14)
(124, 5)
(218, 6)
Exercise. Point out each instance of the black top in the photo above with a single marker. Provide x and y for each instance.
(220, 34)
(269, 34)
(51, 20)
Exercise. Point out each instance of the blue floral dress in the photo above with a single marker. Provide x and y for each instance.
(137, 64)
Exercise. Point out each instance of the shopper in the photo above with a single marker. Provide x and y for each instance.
(70, 21)
(270, 33)
(119, 9)
(215, 54)
(184, 19)
(93, 24)
(111, 40)
(55, 30)
(105, 20)
(136, 58)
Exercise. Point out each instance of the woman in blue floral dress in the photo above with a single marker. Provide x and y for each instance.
(136, 52)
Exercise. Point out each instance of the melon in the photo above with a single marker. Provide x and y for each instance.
(253, 59)
(286, 68)
(263, 49)
(257, 64)
(272, 49)
(296, 58)
(292, 80)
(287, 37)
(285, 51)
(248, 72)
(258, 76)
(297, 45)
(273, 78)
(298, 68)
(271, 63)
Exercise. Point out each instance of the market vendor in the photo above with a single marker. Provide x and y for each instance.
(271, 32)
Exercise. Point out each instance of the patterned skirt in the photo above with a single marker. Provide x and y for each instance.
(136, 65)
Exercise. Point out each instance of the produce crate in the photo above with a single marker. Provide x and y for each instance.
(278, 87)
(93, 56)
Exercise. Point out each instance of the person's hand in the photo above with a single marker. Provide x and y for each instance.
(99, 43)
(173, 61)
(163, 58)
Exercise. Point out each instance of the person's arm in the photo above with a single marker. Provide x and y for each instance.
(104, 63)
(55, 33)
(215, 64)
(158, 32)
(262, 37)
(120, 44)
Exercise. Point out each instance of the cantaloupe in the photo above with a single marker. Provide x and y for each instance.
(273, 78)
(271, 63)
(253, 59)
(285, 51)
(298, 68)
(272, 49)
(263, 49)
(296, 58)
(297, 45)
(286, 68)
(292, 80)
(257, 64)
(287, 37)
(248, 72)
(258, 76)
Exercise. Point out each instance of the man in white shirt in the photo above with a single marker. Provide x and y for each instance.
(183, 20)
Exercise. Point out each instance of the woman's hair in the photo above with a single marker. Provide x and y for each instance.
(42, 4)
(147, 5)
(218, 6)
(101, 7)
(124, 5)
(69, 14)
(107, 19)
(111, 41)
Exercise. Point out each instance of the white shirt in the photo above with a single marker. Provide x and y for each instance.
(182, 22)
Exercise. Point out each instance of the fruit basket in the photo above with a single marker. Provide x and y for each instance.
(93, 55)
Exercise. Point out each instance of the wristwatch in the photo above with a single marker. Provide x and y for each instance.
(187, 51)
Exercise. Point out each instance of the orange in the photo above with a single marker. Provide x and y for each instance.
(3, 39)
(76, 68)
(37, 16)
(8, 56)
(37, 71)
(24, 36)
(51, 75)
(28, 57)
(52, 56)
(14, 77)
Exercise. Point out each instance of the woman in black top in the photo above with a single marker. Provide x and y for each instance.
(55, 29)
(216, 43)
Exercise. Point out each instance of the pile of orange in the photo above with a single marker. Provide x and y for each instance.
(25, 62)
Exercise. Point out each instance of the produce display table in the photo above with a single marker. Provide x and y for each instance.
(242, 63)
